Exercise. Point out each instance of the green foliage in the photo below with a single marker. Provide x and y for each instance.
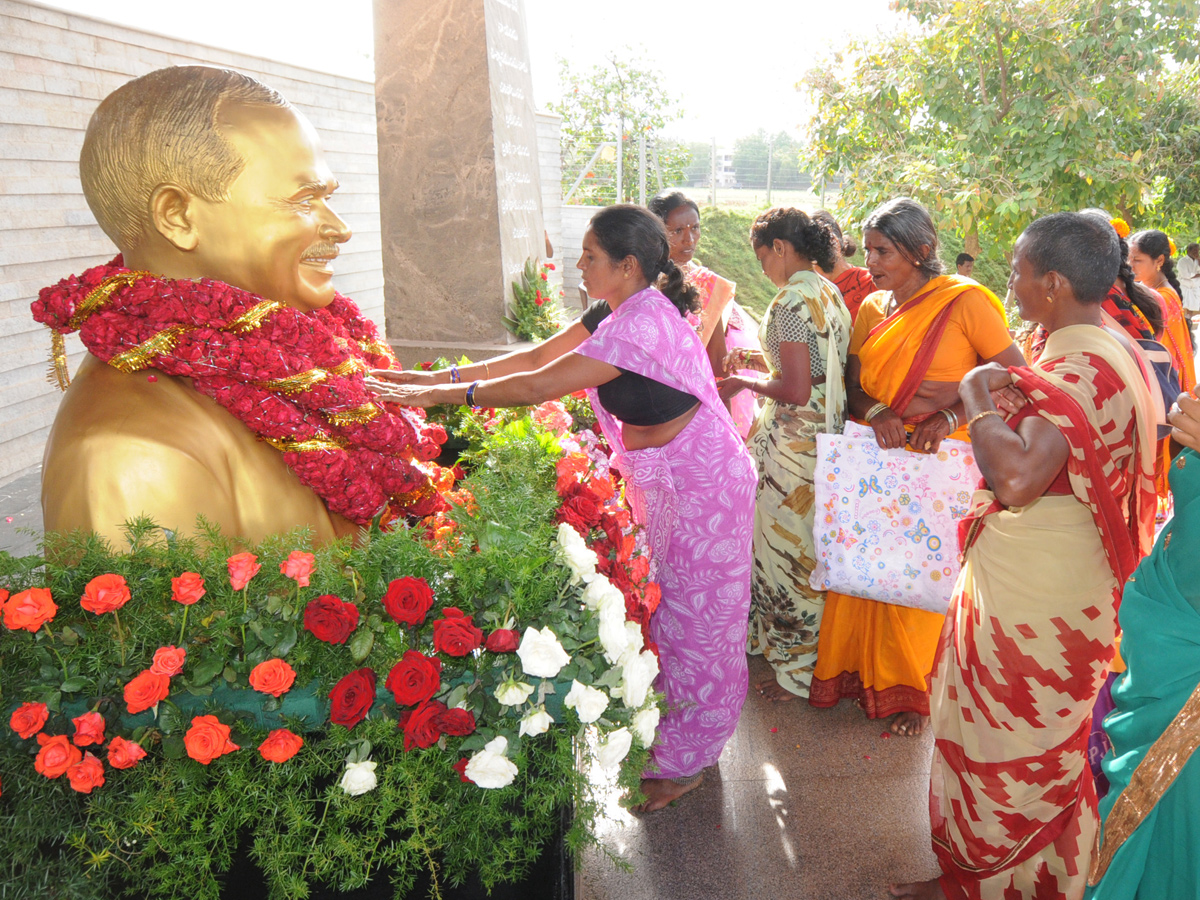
(535, 312)
(751, 155)
(170, 826)
(621, 100)
(725, 248)
(995, 112)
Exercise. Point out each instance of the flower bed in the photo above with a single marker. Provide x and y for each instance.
(414, 704)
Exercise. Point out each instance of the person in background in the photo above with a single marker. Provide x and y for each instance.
(723, 325)
(689, 479)
(853, 281)
(805, 334)
(964, 264)
(1150, 259)
(912, 343)
(1067, 513)
(1152, 810)
(1189, 278)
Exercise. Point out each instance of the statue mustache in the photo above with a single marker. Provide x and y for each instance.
(321, 251)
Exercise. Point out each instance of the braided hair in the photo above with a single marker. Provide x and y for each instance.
(629, 230)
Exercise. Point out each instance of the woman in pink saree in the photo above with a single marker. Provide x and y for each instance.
(689, 479)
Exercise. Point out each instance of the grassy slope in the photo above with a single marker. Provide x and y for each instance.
(725, 248)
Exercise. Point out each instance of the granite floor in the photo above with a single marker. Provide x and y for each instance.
(805, 804)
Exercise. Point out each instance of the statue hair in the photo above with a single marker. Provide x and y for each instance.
(160, 129)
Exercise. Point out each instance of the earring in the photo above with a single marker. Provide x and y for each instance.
(1049, 299)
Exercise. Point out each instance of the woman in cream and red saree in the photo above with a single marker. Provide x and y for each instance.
(1067, 512)
(912, 342)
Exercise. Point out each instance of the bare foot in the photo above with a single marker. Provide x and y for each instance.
(909, 724)
(773, 690)
(662, 792)
(921, 890)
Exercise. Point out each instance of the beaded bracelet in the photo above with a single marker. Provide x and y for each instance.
(982, 415)
(455, 377)
(471, 393)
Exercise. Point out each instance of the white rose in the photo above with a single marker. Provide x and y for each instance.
(637, 675)
(614, 748)
(598, 589)
(644, 724)
(614, 638)
(513, 693)
(633, 642)
(587, 701)
(542, 656)
(536, 721)
(359, 778)
(490, 768)
(575, 554)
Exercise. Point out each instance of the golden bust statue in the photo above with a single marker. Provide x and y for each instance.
(203, 178)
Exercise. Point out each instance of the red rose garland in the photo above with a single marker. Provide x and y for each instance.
(294, 378)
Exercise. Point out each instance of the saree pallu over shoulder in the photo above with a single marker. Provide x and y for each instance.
(1030, 632)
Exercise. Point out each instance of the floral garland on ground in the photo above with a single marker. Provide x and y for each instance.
(409, 703)
(295, 379)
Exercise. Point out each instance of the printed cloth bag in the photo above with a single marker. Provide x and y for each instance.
(886, 520)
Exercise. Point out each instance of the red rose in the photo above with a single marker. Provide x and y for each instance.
(415, 678)
(408, 600)
(461, 768)
(123, 754)
(29, 609)
(187, 588)
(145, 690)
(458, 722)
(298, 566)
(242, 567)
(503, 640)
(653, 595)
(56, 756)
(330, 619)
(28, 719)
(86, 774)
(272, 676)
(89, 729)
(168, 661)
(207, 739)
(280, 746)
(105, 594)
(455, 635)
(420, 725)
(352, 697)
(581, 509)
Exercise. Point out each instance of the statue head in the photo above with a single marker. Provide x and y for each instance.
(198, 172)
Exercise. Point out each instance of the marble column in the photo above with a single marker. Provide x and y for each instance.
(460, 202)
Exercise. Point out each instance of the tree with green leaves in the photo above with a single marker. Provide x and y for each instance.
(621, 99)
(993, 112)
(752, 153)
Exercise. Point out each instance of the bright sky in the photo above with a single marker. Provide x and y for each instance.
(732, 66)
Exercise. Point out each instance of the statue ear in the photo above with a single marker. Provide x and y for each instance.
(170, 213)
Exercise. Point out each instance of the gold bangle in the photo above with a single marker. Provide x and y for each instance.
(876, 410)
(982, 415)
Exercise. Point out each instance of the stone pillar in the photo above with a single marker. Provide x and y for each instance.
(460, 201)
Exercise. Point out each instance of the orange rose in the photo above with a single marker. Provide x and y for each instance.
(145, 690)
(123, 754)
(29, 609)
(87, 774)
(274, 677)
(89, 729)
(105, 594)
(207, 739)
(298, 566)
(280, 746)
(187, 588)
(242, 567)
(28, 719)
(56, 756)
(168, 661)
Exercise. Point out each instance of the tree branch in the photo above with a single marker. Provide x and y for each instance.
(1005, 102)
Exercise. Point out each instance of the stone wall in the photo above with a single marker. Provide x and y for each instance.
(54, 69)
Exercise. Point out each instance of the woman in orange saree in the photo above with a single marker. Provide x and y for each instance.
(1067, 512)
(912, 343)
